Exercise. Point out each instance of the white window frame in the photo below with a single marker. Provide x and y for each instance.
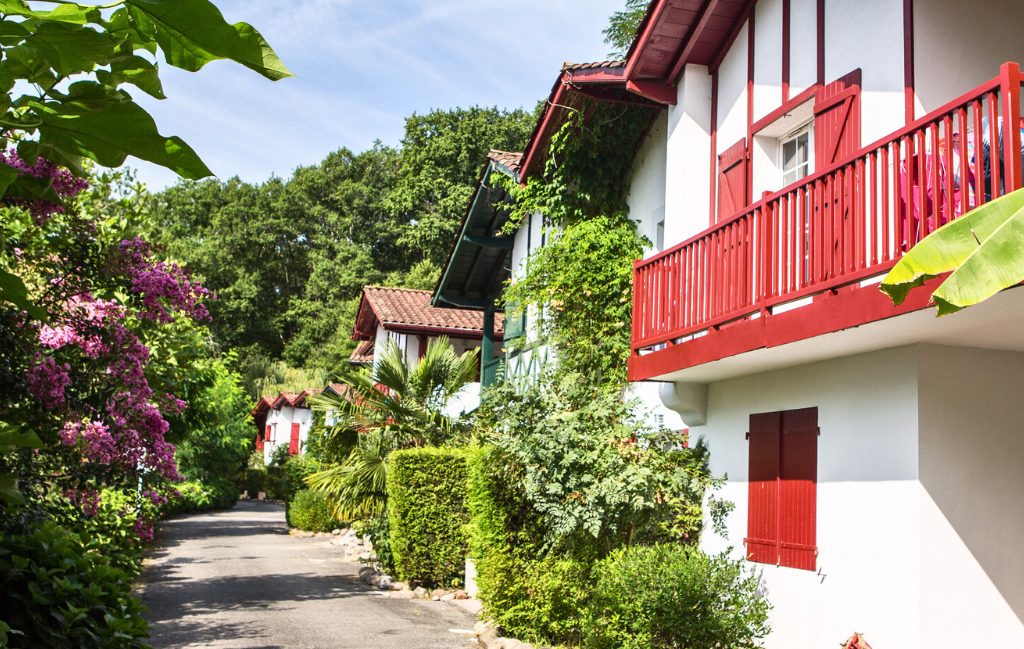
(808, 128)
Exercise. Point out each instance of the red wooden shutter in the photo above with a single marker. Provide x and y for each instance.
(798, 489)
(293, 448)
(266, 436)
(837, 120)
(762, 513)
(732, 180)
(424, 340)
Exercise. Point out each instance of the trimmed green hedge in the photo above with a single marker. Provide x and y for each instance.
(539, 600)
(427, 514)
(310, 511)
(202, 496)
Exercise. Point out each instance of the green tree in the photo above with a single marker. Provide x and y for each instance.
(622, 26)
(442, 153)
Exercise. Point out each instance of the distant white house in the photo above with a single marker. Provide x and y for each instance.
(284, 419)
(406, 317)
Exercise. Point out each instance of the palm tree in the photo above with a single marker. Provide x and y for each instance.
(388, 407)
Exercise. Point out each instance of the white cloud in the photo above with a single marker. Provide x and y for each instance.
(361, 68)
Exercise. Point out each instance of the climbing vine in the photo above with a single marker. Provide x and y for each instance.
(582, 279)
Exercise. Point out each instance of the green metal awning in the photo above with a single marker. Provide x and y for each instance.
(479, 261)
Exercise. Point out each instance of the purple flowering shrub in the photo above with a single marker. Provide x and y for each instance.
(84, 379)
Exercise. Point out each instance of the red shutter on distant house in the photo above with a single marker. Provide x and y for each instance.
(762, 514)
(732, 180)
(783, 475)
(293, 447)
(798, 489)
(837, 120)
(424, 340)
(266, 436)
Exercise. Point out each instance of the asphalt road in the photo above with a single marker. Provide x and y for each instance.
(237, 579)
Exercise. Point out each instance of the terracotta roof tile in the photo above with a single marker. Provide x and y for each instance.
(405, 306)
(507, 159)
(566, 67)
(362, 354)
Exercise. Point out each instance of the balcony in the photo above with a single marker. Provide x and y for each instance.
(803, 262)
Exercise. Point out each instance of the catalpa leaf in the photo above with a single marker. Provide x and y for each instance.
(72, 49)
(192, 33)
(134, 70)
(112, 133)
(66, 12)
(12, 436)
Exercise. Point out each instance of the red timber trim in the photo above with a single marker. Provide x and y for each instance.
(451, 332)
(654, 91)
(785, 51)
(713, 210)
(1009, 77)
(750, 104)
(641, 42)
(787, 107)
(821, 42)
(845, 310)
(737, 27)
(908, 59)
(424, 341)
(691, 39)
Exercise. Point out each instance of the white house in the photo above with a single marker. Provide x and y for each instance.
(874, 453)
(408, 319)
(284, 419)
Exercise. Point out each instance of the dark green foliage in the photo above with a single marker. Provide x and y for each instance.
(112, 530)
(254, 481)
(310, 511)
(296, 470)
(539, 600)
(668, 596)
(58, 590)
(201, 497)
(427, 514)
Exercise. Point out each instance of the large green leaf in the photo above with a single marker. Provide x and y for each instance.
(982, 248)
(13, 290)
(66, 13)
(112, 133)
(135, 70)
(71, 49)
(12, 437)
(193, 32)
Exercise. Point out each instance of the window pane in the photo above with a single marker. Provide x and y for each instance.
(789, 155)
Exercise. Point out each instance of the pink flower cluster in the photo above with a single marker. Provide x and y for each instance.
(87, 500)
(159, 281)
(154, 497)
(97, 444)
(47, 380)
(65, 184)
(144, 529)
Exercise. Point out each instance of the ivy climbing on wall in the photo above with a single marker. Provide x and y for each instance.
(582, 279)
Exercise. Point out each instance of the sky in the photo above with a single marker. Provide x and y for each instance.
(362, 67)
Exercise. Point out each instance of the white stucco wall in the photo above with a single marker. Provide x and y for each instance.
(958, 46)
(920, 506)
(646, 197)
(867, 502)
(687, 157)
(732, 94)
(971, 497)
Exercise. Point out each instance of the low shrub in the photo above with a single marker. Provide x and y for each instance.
(379, 531)
(255, 480)
(296, 470)
(57, 590)
(542, 600)
(427, 514)
(276, 485)
(673, 596)
(202, 496)
(113, 530)
(310, 511)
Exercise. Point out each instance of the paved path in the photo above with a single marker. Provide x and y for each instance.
(237, 579)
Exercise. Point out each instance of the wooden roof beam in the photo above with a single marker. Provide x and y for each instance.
(663, 95)
(692, 37)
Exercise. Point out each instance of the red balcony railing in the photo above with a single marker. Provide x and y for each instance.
(842, 225)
